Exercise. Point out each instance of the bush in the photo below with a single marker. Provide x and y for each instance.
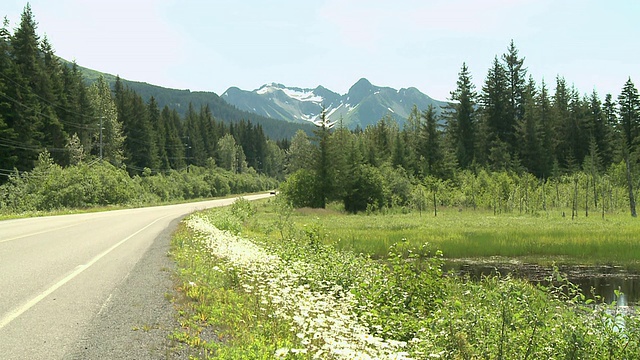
(366, 191)
(300, 189)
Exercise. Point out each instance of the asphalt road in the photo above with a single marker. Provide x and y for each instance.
(70, 285)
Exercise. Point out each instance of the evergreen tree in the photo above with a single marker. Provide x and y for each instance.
(26, 118)
(461, 122)
(412, 135)
(582, 124)
(140, 146)
(516, 83)
(194, 139)
(8, 137)
(340, 143)
(610, 115)
(546, 131)
(380, 138)
(401, 156)
(25, 45)
(322, 160)
(77, 110)
(171, 123)
(431, 149)
(528, 134)
(159, 131)
(49, 90)
(609, 112)
(496, 111)
(209, 134)
(599, 130)
(629, 112)
(563, 124)
(144, 147)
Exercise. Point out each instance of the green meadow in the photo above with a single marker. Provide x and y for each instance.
(542, 239)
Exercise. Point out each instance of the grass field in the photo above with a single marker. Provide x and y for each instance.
(276, 284)
(458, 234)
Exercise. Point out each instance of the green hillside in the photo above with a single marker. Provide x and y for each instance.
(221, 110)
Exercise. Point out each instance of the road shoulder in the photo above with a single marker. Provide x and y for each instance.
(136, 320)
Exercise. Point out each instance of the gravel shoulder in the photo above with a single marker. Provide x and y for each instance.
(137, 318)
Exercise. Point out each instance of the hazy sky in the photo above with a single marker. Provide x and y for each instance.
(213, 45)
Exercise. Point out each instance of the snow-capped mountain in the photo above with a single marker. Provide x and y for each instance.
(363, 105)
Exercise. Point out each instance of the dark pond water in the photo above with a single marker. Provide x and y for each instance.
(599, 280)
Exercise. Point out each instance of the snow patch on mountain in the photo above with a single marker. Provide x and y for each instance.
(363, 105)
(293, 93)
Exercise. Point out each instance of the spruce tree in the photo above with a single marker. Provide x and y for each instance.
(209, 133)
(431, 149)
(26, 108)
(8, 137)
(322, 160)
(546, 132)
(516, 82)
(495, 107)
(562, 123)
(173, 139)
(49, 88)
(599, 130)
(610, 115)
(194, 138)
(629, 112)
(527, 133)
(461, 119)
(77, 110)
(159, 132)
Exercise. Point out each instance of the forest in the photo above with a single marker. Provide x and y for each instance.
(513, 128)
(514, 131)
(60, 132)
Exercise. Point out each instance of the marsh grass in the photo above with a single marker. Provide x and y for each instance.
(480, 234)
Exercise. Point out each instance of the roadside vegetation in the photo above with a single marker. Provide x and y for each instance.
(52, 188)
(265, 281)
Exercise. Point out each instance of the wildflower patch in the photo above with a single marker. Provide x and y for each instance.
(321, 314)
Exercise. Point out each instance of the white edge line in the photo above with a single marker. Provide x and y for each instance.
(29, 304)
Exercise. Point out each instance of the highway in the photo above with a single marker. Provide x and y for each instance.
(57, 273)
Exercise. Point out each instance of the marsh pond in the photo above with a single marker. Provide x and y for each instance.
(593, 281)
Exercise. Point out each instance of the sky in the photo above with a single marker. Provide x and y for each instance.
(211, 45)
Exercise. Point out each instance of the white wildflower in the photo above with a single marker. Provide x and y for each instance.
(324, 321)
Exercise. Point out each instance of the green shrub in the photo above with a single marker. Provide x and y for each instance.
(301, 189)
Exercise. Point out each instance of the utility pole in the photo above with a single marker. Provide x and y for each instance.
(101, 117)
(187, 146)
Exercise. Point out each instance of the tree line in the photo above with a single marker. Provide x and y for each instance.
(513, 126)
(45, 105)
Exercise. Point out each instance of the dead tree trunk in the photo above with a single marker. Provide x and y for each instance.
(632, 201)
(586, 198)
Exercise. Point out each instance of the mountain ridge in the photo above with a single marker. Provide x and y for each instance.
(179, 99)
(364, 104)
